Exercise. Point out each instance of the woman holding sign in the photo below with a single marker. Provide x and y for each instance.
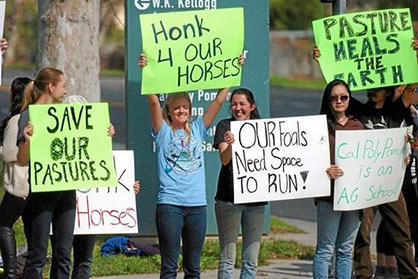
(229, 216)
(15, 179)
(46, 208)
(49, 86)
(336, 230)
(181, 204)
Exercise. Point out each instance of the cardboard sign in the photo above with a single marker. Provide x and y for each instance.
(280, 159)
(70, 148)
(373, 164)
(192, 50)
(368, 49)
(110, 210)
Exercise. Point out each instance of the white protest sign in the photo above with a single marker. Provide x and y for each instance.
(373, 164)
(2, 16)
(280, 159)
(109, 210)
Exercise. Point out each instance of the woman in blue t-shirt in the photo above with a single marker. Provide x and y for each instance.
(181, 202)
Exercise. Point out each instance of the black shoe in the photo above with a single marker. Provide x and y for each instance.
(8, 253)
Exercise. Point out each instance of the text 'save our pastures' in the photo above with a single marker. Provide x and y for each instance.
(374, 167)
(70, 147)
(192, 50)
(367, 49)
(279, 159)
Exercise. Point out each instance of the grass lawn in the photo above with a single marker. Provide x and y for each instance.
(120, 265)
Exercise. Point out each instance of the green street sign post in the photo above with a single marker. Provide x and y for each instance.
(254, 76)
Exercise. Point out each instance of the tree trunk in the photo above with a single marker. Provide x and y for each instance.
(13, 31)
(68, 39)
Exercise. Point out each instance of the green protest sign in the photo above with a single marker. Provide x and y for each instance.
(367, 49)
(192, 50)
(70, 148)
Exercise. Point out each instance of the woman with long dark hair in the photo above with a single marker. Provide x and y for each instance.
(336, 230)
(15, 179)
(229, 216)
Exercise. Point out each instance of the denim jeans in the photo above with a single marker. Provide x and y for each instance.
(175, 223)
(336, 232)
(83, 246)
(397, 224)
(43, 209)
(229, 218)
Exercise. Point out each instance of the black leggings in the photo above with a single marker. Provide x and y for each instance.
(11, 209)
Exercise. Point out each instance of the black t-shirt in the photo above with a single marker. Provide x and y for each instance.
(390, 116)
(225, 190)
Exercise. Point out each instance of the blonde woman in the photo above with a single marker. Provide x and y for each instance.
(181, 202)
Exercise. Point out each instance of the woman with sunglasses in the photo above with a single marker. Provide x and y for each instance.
(337, 230)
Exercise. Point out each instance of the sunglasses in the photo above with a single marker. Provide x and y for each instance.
(341, 98)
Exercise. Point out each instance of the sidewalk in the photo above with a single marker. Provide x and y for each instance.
(277, 269)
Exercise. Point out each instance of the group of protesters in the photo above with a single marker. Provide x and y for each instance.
(181, 201)
(339, 232)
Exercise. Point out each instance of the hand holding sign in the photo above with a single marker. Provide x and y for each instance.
(334, 172)
(3, 45)
(415, 43)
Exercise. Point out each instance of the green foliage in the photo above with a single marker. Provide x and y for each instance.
(389, 4)
(283, 249)
(297, 83)
(121, 265)
(294, 15)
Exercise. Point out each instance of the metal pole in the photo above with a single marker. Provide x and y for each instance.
(339, 7)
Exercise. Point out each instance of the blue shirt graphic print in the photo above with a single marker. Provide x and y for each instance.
(183, 156)
(180, 165)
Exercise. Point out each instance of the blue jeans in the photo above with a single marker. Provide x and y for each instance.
(229, 218)
(189, 224)
(336, 231)
(83, 246)
(43, 209)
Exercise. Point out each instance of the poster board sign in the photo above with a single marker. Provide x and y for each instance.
(280, 158)
(110, 210)
(373, 165)
(2, 16)
(70, 148)
(367, 49)
(192, 50)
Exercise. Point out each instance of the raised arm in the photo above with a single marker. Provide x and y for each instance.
(214, 107)
(156, 114)
(154, 104)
